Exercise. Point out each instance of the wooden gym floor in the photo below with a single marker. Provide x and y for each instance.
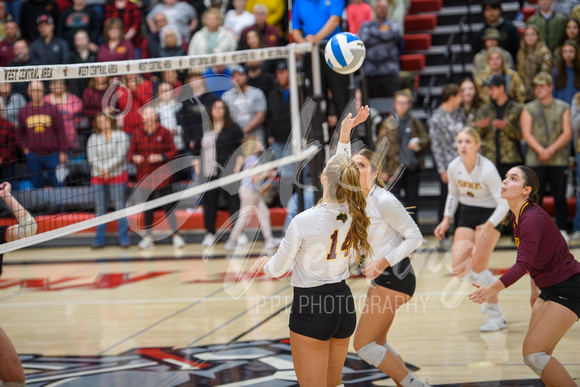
(123, 318)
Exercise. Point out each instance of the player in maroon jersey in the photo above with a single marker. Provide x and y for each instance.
(555, 276)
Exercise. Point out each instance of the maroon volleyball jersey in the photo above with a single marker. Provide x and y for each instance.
(542, 250)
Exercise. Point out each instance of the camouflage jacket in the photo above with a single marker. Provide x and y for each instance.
(531, 64)
(514, 85)
(547, 126)
(508, 139)
(392, 162)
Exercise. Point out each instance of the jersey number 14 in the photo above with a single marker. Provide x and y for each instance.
(346, 245)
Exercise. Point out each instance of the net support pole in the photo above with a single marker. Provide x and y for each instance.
(294, 108)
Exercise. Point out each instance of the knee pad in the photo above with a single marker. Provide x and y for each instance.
(372, 353)
(14, 384)
(537, 362)
(485, 278)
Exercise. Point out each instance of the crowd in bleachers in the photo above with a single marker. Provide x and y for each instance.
(86, 31)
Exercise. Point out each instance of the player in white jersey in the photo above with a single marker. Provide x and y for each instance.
(393, 236)
(317, 247)
(11, 372)
(475, 188)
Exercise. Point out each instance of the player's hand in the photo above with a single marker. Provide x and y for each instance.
(482, 294)
(5, 189)
(258, 266)
(375, 268)
(349, 122)
(441, 229)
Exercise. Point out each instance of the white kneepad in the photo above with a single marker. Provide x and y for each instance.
(372, 353)
(485, 278)
(537, 362)
(13, 384)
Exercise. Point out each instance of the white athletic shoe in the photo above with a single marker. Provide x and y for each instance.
(242, 239)
(495, 322)
(207, 240)
(178, 242)
(230, 245)
(565, 235)
(272, 243)
(575, 236)
(146, 244)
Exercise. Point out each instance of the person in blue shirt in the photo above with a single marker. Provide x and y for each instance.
(567, 75)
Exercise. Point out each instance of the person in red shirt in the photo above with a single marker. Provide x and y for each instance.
(41, 136)
(7, 145)
(151, 149)
(357, 13)
(555, 276)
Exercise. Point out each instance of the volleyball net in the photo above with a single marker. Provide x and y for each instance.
(144, 126)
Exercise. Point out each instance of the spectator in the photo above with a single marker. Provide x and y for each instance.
(444, 125)
(178, 13)
(491, 38)
(575, 13)
(575, 120)
(407, 143)
(573, 34)
(21, 58)
(547, 130)
(247, 105)
(212, 37)
(13, 9)
(93, 97)
(193, 114)
(250, 194)
(498, 123)
(258, 78)
(41, 137)
(171, 43)
(134, 92)
(82, 53)
(115, 45)
(552, 25)
(567, 74)
(76, 18)
(510, 35)
(151, 46)
(151, 148)
(238, 18)
(171, 77)
(4, 18)
(13, 102)
(496, 65)
(107, 153)
(130, 17)
(381, 65)
(167, 107)
(273, 12)
(279, 124)
(254, 40)
(218, 79)
(30, 12)
(470, 101)
(48, 49)
(270, 34)
(533, 57)
(357, 13)
(11, 32)
(70, 107)
(7, 145)
(221, 140)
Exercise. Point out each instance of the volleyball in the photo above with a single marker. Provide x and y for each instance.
(345, 53)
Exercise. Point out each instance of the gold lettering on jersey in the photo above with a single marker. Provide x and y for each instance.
(517, 241)
(39, 122)
(469, 184)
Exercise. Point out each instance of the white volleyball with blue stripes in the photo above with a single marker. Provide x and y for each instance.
(345, 53)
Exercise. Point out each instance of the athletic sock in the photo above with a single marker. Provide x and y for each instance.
(411, 381)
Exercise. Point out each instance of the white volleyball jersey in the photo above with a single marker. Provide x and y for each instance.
(393, 234)
(480, 188)
(316, 247)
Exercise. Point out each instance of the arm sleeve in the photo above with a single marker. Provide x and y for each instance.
(494, 182)
(337, 7)
(434, 133)
(284, 258)
(530, 233)
(343, 149)
(393, 212)
(91, 154)
(452, 201)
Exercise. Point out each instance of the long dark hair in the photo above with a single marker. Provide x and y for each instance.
(375, 163)
(562, 74)
(530, 180)
(228, 121)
